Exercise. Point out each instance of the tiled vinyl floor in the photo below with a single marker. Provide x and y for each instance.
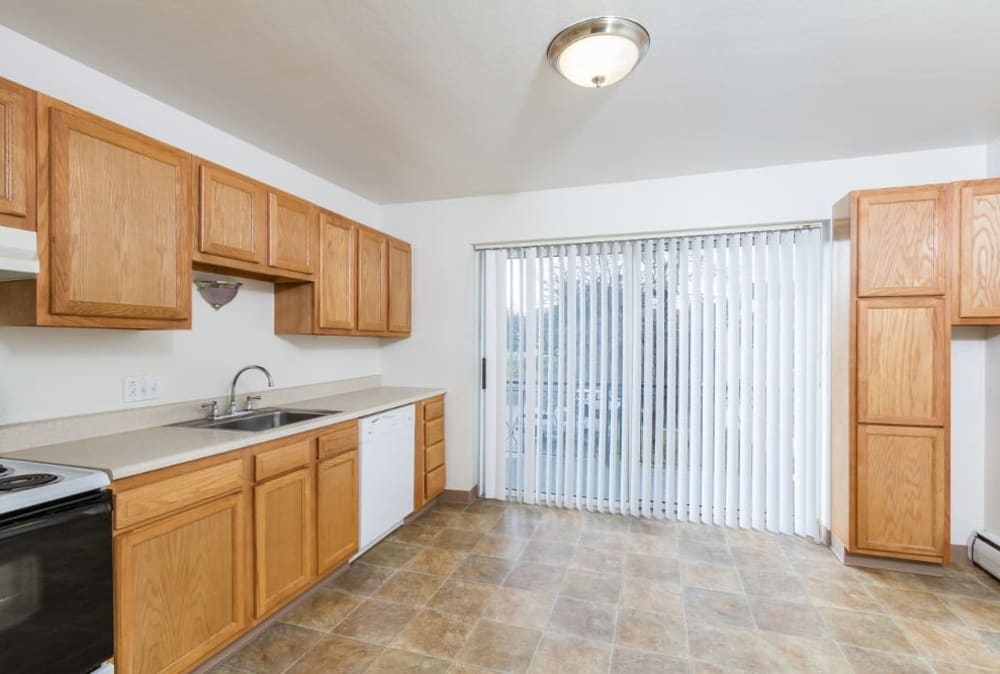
(512, 588)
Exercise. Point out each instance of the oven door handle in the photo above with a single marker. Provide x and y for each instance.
(53, 519)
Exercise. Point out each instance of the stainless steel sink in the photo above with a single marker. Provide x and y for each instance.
(259, 420)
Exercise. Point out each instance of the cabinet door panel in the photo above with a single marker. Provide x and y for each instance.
(291, 231)
(120, 222)
(902, 242)
(373, 277)
(17, 156)
(282, 539)
(902, 491)
(337, 273)
(179, 588)
(979, 249)
(233, 216)
(337, 510)
(902, 361)
(399, 287)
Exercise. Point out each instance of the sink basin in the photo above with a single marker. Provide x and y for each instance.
(260, 420)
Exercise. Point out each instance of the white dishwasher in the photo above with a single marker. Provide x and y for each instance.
(386, 472)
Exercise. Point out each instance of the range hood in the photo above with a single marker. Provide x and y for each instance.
(18, 254)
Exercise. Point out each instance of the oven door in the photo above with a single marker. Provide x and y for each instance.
(56, 593)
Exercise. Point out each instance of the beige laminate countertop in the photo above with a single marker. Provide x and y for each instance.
(125, 454)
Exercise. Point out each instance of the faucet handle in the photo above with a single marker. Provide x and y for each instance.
(249, 403)
(214, 411)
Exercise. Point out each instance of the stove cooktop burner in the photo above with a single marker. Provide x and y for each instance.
(19, 482)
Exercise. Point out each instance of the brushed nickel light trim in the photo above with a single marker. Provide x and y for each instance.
(596, 27)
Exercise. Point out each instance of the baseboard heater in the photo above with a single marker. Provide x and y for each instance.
(984, 552)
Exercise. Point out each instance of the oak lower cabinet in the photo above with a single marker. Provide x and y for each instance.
(336, 510)
(283, 539)
(17, 156)
(180, 587)
(976, 273)
(429, 454)
(902, 490)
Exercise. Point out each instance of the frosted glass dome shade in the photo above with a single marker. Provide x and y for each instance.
(598, 52)
(598, 60)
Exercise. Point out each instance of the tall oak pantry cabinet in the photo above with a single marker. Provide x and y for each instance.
(908, 263)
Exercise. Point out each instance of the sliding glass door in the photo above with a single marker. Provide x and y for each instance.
(666, 377)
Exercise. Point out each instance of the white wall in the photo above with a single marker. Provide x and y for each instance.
(968, 431)
(991, 468)
(47, 372)
(443, 350)
(52, 372)
(993, 159)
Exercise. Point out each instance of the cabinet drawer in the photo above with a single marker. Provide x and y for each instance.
(433, 431)
(434, 456)
(159, 498)
(433, 409)
(343, 438)
(281, 459)
(434, 482)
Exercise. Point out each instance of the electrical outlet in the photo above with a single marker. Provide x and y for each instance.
(130, 389)
(138, 388)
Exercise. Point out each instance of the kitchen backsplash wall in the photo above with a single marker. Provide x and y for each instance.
(55, 372)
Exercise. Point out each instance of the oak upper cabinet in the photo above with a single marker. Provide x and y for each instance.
(362, 286)
(118, 226)
(902, 241)
(337, 497)
(336, 292)
(292, 227)
(373, 280)
(902, 492)
(17, 156)
(400, 279)
(232, 216)
(283, 539)
(976, 209)
(902, 349)
(180, 586)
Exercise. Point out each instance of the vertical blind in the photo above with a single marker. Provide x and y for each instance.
(668, 378)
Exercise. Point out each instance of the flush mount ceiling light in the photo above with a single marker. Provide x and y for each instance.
(598, 52)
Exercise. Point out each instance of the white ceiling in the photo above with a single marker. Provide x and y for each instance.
(406, 100)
